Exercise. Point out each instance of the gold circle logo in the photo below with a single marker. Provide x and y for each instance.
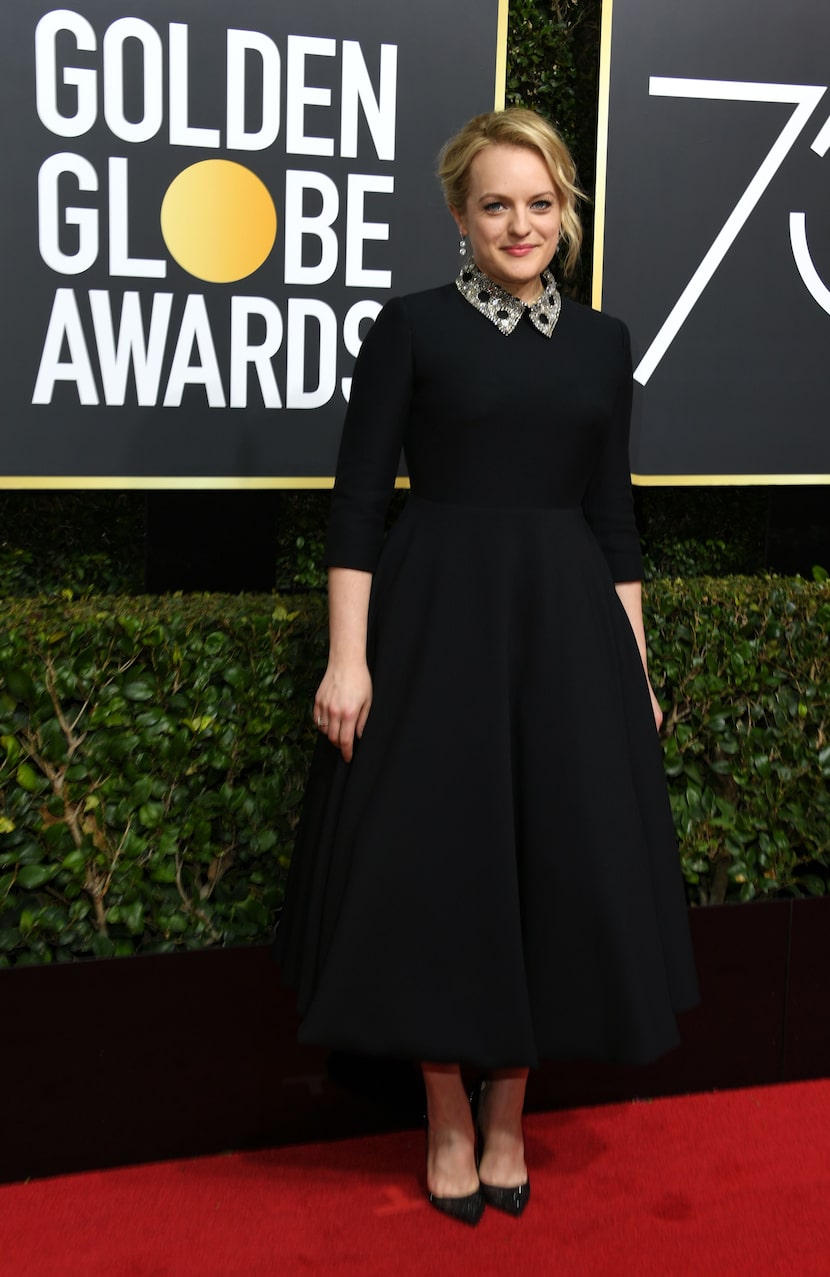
(218, 221)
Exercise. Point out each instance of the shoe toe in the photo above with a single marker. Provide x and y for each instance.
(467, 1210)
(510, 1200)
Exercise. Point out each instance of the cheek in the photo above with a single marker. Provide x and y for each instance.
(485, 231)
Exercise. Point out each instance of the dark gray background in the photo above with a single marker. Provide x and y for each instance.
(743, 390)
(446, 73)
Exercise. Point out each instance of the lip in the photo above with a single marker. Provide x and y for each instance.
(520, 250)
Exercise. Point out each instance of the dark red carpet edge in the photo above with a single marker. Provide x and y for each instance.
(725, 1185)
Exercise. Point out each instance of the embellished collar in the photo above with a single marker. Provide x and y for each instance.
(502, 308)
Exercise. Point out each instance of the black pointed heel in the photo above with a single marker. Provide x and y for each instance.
(512, 1200)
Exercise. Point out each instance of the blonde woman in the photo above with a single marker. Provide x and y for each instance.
(486, 872)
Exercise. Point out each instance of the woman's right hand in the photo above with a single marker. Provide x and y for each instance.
(342, 705)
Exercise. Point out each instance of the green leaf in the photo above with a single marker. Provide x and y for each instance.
(28, 778)
(19, 685)
(133, 915)
(30, 877)
(138, 690)
(102, 946)
(163, 872)
(151, 814)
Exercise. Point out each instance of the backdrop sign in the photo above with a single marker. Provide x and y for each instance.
(206, 206)
(715, 198)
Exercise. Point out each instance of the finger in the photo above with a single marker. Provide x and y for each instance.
(361, 722)
(346, 740)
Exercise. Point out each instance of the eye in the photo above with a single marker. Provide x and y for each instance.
(494, 206)
(542, 206)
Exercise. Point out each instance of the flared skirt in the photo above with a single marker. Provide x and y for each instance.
(494, 878)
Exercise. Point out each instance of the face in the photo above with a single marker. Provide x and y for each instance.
(511, 217)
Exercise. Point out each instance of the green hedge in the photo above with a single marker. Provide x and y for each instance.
(742, 668)
(154, 751)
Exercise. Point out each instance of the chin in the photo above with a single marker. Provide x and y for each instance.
(527, 275)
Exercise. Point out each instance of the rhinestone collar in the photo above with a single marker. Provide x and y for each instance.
(502, 308)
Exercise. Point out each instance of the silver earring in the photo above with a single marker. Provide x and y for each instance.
(462, 246)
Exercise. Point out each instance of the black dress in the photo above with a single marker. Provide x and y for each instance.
(494, 877)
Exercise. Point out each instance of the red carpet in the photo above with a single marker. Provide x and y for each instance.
(727, 1185)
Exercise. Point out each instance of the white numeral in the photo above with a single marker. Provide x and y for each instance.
(805, 98)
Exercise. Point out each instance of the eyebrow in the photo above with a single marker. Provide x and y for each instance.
(494, 195)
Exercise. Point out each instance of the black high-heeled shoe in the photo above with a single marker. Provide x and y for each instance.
(467, 1210)
(511, 1200)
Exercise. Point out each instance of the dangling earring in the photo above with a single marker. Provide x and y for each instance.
(462, 246)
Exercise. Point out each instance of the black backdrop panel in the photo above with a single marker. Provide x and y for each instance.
(243, 355)
(717, 235)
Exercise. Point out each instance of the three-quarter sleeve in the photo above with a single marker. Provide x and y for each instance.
(609, 501)
(370, 447)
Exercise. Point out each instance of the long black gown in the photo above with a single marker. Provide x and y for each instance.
(494, 877)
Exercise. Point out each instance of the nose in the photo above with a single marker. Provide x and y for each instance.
(519, 223)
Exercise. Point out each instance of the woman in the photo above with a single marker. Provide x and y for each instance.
(486, 869)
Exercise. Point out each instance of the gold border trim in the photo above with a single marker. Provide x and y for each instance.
(72, 482)
(501, 56)
(159, 482)
(724, 480)
(602, 152)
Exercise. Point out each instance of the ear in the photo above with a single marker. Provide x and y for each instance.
(459, 221)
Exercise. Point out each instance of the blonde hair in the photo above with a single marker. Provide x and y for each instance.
(515, 127)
